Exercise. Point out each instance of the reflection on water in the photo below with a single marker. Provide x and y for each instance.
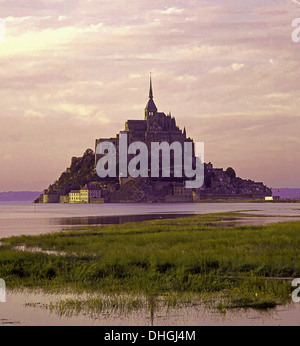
(32, 308)
(27, 218)
(29, 308)
(107, 220)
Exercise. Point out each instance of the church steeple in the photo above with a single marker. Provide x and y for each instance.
(151, 108)
(150, 91)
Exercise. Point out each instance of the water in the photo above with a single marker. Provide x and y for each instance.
(27, 308)
(18, 218)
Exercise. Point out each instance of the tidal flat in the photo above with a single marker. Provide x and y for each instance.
(208, 259)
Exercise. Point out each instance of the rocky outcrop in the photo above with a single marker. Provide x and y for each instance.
(226, 185)
(80, 172)
(218, 184)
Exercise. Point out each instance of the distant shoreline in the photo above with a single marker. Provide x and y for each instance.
(18, 196)
(195, 202)
(287, 195)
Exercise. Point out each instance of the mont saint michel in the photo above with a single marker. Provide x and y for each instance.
(150, 166)
(80, 182)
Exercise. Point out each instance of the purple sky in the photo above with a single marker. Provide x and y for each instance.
(72, 71)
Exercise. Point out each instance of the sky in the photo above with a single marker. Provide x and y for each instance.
(72, 71)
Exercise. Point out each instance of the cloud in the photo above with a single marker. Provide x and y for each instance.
(62, 18)
(135, 75)
(86, 113)
(75, 71)
(186, 78)
(30, 113)
(282, 96)
(227, 69)
(237, 67)
(172, 10)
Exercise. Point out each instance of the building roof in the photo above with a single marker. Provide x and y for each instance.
(150, 104)
(94, 187)
(137, 125)
(90, 187)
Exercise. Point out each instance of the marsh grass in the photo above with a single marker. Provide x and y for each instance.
(204, 256)
(95, 305)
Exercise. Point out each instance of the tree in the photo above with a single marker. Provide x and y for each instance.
(230, 172)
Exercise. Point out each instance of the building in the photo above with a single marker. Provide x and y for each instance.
(74, 196)
(84, 195)
(87, 194)
(155, 127)
(90, 194)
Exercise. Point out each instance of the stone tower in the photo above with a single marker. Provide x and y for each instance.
(151, 109)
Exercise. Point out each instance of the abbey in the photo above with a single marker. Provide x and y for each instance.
(160, 157)
(156, 127)
(81, 183)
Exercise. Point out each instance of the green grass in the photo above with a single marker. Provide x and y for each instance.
(199, 255)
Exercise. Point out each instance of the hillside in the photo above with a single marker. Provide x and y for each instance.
(80, 172)
(218, 184)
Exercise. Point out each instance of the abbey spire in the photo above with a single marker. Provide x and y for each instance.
(150, 90)
(151, 108)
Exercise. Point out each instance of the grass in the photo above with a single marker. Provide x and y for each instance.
(93, 305)
(204, 256)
